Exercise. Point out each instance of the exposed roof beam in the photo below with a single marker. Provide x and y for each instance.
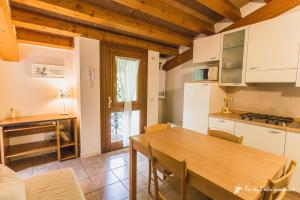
(38, 22)
(97, 15)
(8, 43)
(179, 59)
(44, 39)
(223, 7)
(190, 11)
(268, 11)
(168, 13)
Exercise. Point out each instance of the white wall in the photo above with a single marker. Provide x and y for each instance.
(33, 95)
(153, 87)
(88, 56)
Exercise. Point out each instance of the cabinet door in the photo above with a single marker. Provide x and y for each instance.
(221, 125)
(266, 139)
(274, 44)
(207, 49)
(292, 152)
(232, 70)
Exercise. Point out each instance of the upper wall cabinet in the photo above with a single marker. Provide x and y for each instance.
(233, 57)
(273, 50)
(207, 49)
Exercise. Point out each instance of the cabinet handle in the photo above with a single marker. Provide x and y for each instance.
(222, 121)
(274, 132)
(253, 68)
(213, 58)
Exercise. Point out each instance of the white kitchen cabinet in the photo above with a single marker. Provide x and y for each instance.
(207, 49)
(266, 139)
(201, 99)
(233, 57)
(273, 49)
(292, 153)
(221, 124)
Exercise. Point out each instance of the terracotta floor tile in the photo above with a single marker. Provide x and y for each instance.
(142, 182)
(90, 160)
(93, 196)
(104, 179)
(144, 195)
(86, 186)
(96, 169)
(142, 166)
(116, 163)
(122, 172)
(80, 173)
(116, 191)
(74, 164)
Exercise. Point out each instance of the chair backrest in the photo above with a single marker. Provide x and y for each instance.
(156, 127)
(160, 160)
(277, 188)
(226, 136)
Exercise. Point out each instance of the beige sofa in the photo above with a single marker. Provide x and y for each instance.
(57, 185)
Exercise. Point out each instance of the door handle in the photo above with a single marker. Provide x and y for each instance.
(109, 102)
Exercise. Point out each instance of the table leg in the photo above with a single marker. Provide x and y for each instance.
(132, 172)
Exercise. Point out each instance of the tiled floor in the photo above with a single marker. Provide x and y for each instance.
(104, 177)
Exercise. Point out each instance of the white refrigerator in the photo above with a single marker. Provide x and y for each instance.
(200, 99)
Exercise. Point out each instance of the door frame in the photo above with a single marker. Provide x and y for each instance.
(106, 49)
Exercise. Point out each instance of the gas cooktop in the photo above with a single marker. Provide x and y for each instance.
(269, 119)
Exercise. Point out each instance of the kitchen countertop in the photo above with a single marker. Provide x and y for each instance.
(235, 116)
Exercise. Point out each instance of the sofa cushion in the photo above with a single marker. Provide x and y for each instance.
(56, 185)
(11, 186)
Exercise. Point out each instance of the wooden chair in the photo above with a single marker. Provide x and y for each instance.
(226, 136)
(278, 188)
(151, 129)
(156, 127)
(175, 186)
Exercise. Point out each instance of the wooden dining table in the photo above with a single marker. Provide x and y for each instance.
(218, 168)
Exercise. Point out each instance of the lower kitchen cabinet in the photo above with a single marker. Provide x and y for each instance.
(292, 152)
(221, 125)
(266, 139)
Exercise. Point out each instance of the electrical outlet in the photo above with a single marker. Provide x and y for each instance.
(233, 100)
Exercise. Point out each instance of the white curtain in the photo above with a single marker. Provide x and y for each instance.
(127, 70)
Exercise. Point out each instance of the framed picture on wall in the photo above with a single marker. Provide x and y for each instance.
(47, 71)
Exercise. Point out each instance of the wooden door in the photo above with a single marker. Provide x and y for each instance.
(112, 105)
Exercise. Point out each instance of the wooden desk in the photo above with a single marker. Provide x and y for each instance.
(29, 125)
(215, 167)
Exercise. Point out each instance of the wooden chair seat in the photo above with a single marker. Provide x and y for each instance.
(170, 190)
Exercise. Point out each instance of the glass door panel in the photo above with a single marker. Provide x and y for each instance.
(233, 57)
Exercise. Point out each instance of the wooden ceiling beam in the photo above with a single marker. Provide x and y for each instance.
(223, 7)
(42, 23)
(190, 11)
(179, 59)
(9, 50)
(44, 39)
(268, 11)
(95, 14)
(164, 11)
